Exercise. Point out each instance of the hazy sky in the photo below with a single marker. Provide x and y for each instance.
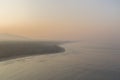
(61, 19)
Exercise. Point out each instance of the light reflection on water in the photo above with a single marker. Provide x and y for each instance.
(79, 62)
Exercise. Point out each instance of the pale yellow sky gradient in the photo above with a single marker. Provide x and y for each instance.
(61, 20)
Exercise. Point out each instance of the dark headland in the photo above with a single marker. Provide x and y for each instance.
(16, 49)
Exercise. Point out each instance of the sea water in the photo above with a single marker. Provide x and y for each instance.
(80, 61)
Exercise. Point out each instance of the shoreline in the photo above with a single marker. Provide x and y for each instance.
(13, 50)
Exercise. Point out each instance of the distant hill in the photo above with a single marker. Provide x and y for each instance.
(9, 37)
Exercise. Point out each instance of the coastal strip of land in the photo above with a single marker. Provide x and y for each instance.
(16, 49)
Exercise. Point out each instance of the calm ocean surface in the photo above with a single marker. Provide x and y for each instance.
(81, 61)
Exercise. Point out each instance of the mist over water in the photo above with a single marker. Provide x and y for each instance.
(94, 23)
(81, 61)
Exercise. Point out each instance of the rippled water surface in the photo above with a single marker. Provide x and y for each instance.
(79, 62)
